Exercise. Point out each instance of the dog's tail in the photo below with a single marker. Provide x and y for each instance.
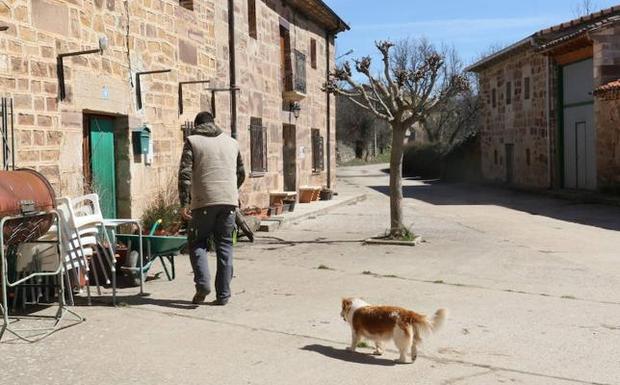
(439, 319)
(423, 326)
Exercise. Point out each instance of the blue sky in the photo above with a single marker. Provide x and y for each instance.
(471, 26)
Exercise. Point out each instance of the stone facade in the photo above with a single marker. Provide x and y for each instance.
(530, 126)
(259, 78)
(608, 156)
(524, 123)
(147, 35)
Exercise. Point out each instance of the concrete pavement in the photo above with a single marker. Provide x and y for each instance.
(531, 282)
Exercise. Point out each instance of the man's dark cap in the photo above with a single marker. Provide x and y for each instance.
(203, 117)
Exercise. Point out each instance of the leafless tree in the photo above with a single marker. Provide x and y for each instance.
(584, 8)
(457, 117)
(415, 81)
(360, 128)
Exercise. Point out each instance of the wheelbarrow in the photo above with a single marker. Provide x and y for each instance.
(162, 248)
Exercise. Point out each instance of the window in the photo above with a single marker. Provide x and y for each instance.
(252, 18)
(494, 98)
(313, 53)
(187, 4)
(526, 86)
(508, 93)
(286, 67)
(258, 145)
(318, 145)
(495, 155)
(527, 156)
(300, 72)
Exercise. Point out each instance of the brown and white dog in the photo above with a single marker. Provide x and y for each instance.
(384, 323)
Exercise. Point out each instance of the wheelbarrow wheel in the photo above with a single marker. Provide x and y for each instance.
(132, 262)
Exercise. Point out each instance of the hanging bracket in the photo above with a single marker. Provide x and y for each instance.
(181, 91)
(139, 87)
(214, 91)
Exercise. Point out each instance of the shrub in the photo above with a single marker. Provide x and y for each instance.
(422, 160)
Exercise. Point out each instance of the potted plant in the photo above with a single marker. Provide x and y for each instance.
(326, 194)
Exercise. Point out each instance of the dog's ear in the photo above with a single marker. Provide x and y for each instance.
(346, 303)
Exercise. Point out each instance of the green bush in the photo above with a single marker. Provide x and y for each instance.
(422, 160)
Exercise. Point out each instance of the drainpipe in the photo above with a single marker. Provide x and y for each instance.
(328, 35)
(548, 113)
(232, 68)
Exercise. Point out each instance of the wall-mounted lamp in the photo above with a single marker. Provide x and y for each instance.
(181, 91)
(60, 68)
(295, 108)
(349, 52)
(139, 85)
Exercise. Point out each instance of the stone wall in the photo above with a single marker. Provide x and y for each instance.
(143, 35)
(522, 123)
(258, 76)
(150, 35)
(608, 144)
(607, 112)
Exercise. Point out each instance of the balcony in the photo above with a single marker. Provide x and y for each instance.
(295, 79)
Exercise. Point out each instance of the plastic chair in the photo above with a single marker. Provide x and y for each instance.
(85, 213)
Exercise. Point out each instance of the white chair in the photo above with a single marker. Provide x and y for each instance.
(85, 214)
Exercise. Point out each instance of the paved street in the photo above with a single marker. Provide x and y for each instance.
(532, 285)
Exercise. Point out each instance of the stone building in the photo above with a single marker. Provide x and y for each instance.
(117, 127)
(543, 124)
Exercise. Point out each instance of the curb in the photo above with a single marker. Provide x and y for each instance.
(274, 223)
(374, 241)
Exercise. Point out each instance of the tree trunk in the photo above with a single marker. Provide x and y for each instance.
(396, 182)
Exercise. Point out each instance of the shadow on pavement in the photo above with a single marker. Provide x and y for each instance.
(345, 355)
(137, 300)
(446, 193)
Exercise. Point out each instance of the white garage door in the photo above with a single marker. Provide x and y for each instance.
(579, 130)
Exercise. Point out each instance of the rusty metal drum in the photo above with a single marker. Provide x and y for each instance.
(24, 193)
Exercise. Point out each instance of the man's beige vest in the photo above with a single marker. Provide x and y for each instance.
(214, 173)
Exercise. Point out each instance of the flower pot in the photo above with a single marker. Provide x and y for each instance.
(316, 194)
(306, 195)
(327, 195)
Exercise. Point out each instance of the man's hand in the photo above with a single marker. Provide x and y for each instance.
(186, 213)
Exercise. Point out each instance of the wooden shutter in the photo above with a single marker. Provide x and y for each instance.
(318, 154)
(313, 53)
(252, 18)
(188, 4)
(258, 145)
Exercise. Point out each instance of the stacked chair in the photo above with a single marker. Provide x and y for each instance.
(87, 245)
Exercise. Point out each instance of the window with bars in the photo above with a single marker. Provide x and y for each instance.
(318, 147)
(187, 128)
(300, 72)
(258, 145)
(252, 29)
(313, 53)
(187, 4)
(494, 98)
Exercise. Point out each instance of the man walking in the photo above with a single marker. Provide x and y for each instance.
(210, 174)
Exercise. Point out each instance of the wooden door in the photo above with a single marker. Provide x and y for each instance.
(102, 163)
(289, 157)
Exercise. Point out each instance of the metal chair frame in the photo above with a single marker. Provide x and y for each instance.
(39, 333)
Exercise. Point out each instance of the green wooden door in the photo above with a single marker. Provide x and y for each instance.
(102, 164)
